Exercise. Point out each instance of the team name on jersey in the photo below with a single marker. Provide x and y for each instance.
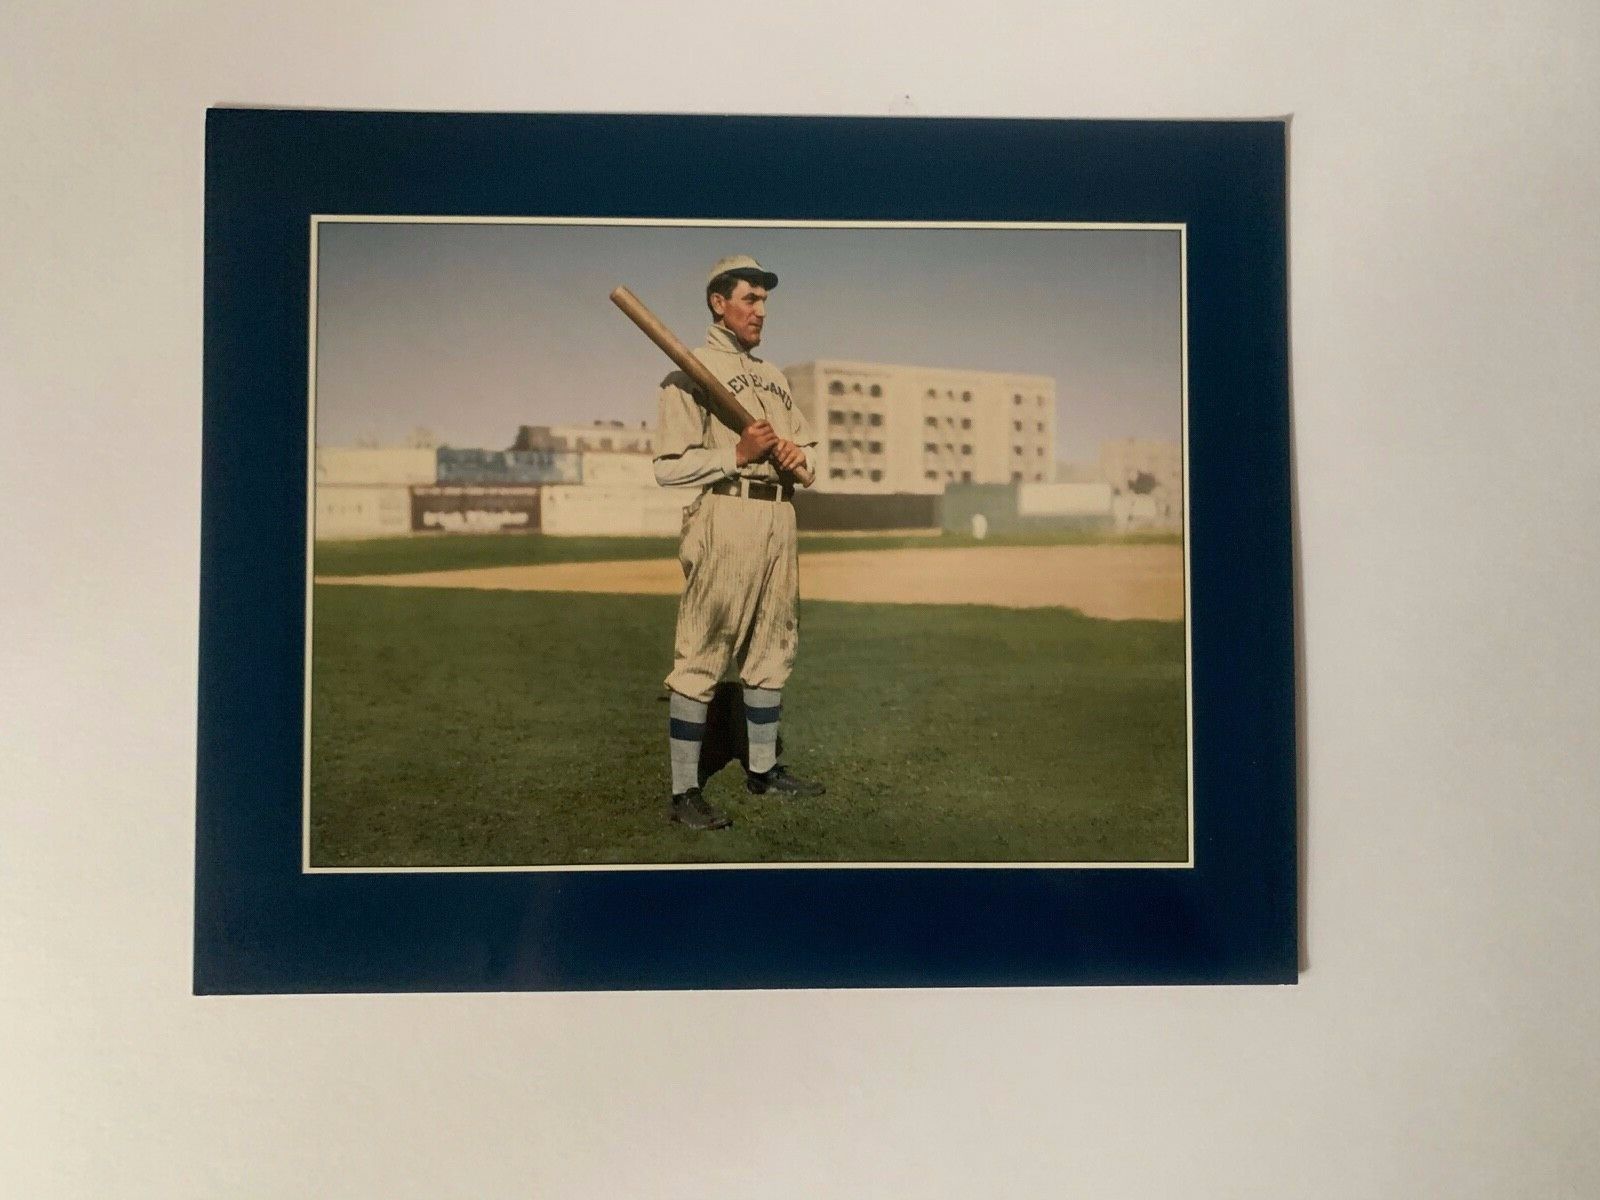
(746, 382)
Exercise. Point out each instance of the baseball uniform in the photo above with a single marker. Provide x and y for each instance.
(739, 606)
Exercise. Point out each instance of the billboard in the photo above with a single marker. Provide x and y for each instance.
(474, 509)
(508, 466)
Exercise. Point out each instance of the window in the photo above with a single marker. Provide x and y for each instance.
(966, 422)
(856, 388)
(855, 445)
(875, 476)
(931, 421)
(855, 418)
(1039, 478)
(930, 474)
(1016, 477)
(950, 421)
(1038, 452)
(874, 447)
(835, 417)
(1016, 398)
(1017, 425)
(950, 475)
(856, 474)
(930, 447)
(836, 388)
(1016, 449)
(966, 477)
(966, 448)
(932, 393)
(836, 446)
(966, 397)
(875, 419)
(1041, 426)
(836, 473)
(875, 390)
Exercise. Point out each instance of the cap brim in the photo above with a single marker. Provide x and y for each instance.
(765, 278)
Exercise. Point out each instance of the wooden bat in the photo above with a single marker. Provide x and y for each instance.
(722, 403)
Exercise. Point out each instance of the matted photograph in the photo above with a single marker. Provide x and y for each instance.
(886, 559)
(918, 600)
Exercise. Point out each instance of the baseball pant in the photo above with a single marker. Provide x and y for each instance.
(739, 607)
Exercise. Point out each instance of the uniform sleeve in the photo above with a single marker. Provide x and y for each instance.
(684, 456)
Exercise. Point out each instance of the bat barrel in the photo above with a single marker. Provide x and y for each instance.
(718, 398)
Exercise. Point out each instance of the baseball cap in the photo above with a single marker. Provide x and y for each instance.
(743, 264)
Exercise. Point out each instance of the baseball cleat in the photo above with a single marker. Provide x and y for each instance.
(693, 811)
(779, 780)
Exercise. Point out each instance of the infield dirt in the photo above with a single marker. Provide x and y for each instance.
(1111, 582)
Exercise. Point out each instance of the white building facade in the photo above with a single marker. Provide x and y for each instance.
(889, 428)
(1148, 476)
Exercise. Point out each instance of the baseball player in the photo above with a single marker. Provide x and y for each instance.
(739, 609)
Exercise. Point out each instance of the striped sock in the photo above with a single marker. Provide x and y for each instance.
(686, 729)
(761, 709)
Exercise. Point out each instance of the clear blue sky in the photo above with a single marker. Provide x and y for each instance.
(473, 330)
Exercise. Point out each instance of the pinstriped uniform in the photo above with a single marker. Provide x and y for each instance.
(739, 610)
(739, 605)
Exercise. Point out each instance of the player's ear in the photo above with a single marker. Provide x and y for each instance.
(719, 304)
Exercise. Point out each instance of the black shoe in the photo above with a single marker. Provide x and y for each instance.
(779, 780)
(693, 811)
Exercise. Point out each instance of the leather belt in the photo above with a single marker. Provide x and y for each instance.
(752, 489)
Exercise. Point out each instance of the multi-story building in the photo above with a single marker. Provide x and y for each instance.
(598, 435)
(888, 428)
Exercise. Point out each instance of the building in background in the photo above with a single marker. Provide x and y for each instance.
(365, 491)
(888, 428)
(902, 448)
(1146, 477)
(615, 436)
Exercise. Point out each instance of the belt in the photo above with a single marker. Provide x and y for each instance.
(751, 489)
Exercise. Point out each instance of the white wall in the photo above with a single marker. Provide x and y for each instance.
(350, 511)
(597, 509)
(1063, 499)
(625, 470)
(377, 464)
(1444, 271)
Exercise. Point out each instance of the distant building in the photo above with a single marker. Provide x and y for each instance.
(598, 435)
(1147, 478)
(888, 428)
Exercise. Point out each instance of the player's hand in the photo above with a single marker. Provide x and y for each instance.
(788, 456)
(755, 443)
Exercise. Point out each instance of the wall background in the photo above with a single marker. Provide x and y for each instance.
(1445, 300)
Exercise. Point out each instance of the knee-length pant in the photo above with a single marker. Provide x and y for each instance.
(739, 612)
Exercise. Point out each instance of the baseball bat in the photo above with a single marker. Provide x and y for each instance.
(722, 403)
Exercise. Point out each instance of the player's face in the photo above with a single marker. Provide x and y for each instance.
(744, 312)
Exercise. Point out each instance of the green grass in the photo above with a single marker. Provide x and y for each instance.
(522, 728)
(446, 552)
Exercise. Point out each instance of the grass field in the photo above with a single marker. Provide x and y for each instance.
(523, 728)
(406, 555)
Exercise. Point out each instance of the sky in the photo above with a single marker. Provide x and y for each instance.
(470, 330)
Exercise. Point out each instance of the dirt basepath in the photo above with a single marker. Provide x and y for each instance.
(1140, 582)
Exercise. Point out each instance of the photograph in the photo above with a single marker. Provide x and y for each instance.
(894, 561)
(919, 598)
